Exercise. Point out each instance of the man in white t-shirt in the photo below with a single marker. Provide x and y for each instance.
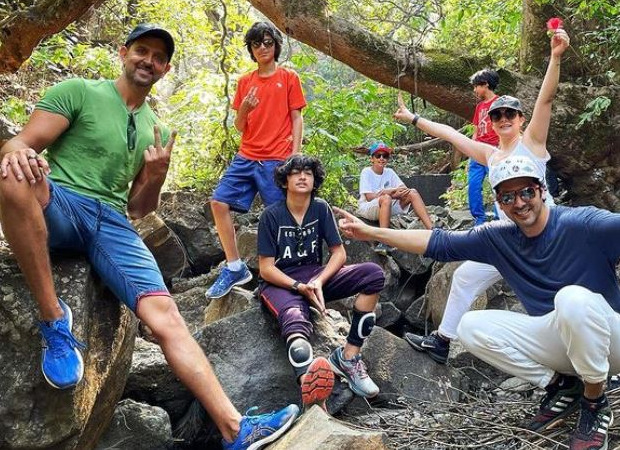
(383, 194)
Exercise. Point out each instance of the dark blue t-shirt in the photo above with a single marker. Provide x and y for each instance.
(579, 246)
(280, 237)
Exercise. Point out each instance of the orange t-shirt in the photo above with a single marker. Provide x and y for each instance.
(268, 131)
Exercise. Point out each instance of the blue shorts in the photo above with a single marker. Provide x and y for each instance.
(243, 179)
(113, 247)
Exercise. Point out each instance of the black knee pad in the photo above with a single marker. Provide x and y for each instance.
(361, 326)
(300, 355)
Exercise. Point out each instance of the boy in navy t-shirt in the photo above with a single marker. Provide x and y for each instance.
(291, 234)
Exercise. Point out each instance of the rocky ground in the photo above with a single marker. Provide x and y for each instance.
(422, 405)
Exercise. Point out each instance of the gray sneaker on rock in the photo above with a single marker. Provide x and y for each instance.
(354, 371)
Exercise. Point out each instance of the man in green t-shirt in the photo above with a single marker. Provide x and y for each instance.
(101, 138)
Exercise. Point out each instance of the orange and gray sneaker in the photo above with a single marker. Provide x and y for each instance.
(317, 383)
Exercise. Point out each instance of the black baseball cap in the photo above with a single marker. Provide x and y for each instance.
(506, 101)
(150, 29)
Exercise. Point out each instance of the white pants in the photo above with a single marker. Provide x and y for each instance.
(470, 280)
(580, 337)
(370, 210)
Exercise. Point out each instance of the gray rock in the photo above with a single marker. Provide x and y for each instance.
(389, 315)
(398, 369)
(318, 430)
(237, 301)
(247, 244)
(248, 356)
(438, 289)
(164, 244)
(137, 426)
(416, 314)
(151, 381)
(34, 415)
(189, 216)
(192, 305)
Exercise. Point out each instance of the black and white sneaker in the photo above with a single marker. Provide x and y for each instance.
(437, 347)
(592, 426)
(560, 401)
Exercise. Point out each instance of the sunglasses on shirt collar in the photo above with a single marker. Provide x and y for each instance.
(132, 133)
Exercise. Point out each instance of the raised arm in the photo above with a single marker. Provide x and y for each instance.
(145, 190)
(249, 103)
(535, 135)
(476, 150)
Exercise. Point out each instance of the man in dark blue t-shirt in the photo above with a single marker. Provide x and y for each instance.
(561, 264)
(291, 234)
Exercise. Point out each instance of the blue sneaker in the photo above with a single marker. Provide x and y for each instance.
(226, 280)
(258, 431)
(61, 360)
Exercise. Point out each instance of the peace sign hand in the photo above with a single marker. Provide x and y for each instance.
(157, 158)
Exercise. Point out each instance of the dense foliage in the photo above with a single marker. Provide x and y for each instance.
(345, 110)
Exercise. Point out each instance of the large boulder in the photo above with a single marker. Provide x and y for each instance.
(33, 415)
(137, 426)
(151, 381)
(164, 244)
(317, 430)
(247, 243)
(359, 251)
(400, 370)
(248, 356)
(438, 290)
(236, 301)
(188, 214)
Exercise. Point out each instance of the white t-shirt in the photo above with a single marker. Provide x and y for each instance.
(371, 182)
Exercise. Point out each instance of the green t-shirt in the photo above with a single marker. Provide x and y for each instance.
(92, 157)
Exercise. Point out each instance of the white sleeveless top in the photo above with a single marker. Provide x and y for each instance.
(521, 150)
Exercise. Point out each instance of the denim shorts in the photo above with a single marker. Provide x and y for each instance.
(114, 249)
(243, 179)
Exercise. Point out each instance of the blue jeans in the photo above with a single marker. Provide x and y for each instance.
(113, 247)
(475, 177)
(243, 179)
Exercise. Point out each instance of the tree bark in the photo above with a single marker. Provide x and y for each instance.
(586, 158)
(21, 31)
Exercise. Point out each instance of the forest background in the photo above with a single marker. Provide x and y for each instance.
(346, 110)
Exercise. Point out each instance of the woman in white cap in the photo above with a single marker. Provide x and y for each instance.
(472, 278)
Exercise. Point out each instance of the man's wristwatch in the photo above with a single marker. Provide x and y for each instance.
(295, 286)
(415, 119)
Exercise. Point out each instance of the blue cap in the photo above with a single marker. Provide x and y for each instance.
(379, 146)
(149, 29)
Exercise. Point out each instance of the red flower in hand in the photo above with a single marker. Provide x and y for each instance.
(553, 24)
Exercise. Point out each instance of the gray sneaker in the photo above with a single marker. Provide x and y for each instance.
(354, 371)
(383, 249)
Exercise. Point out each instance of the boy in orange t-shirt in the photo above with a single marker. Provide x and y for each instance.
(268, 102)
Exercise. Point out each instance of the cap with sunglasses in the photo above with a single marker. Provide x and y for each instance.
(149, 29)
(379, 146)
(506, 101)
(515, 167)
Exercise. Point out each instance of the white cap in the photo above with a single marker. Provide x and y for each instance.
(514, 167)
